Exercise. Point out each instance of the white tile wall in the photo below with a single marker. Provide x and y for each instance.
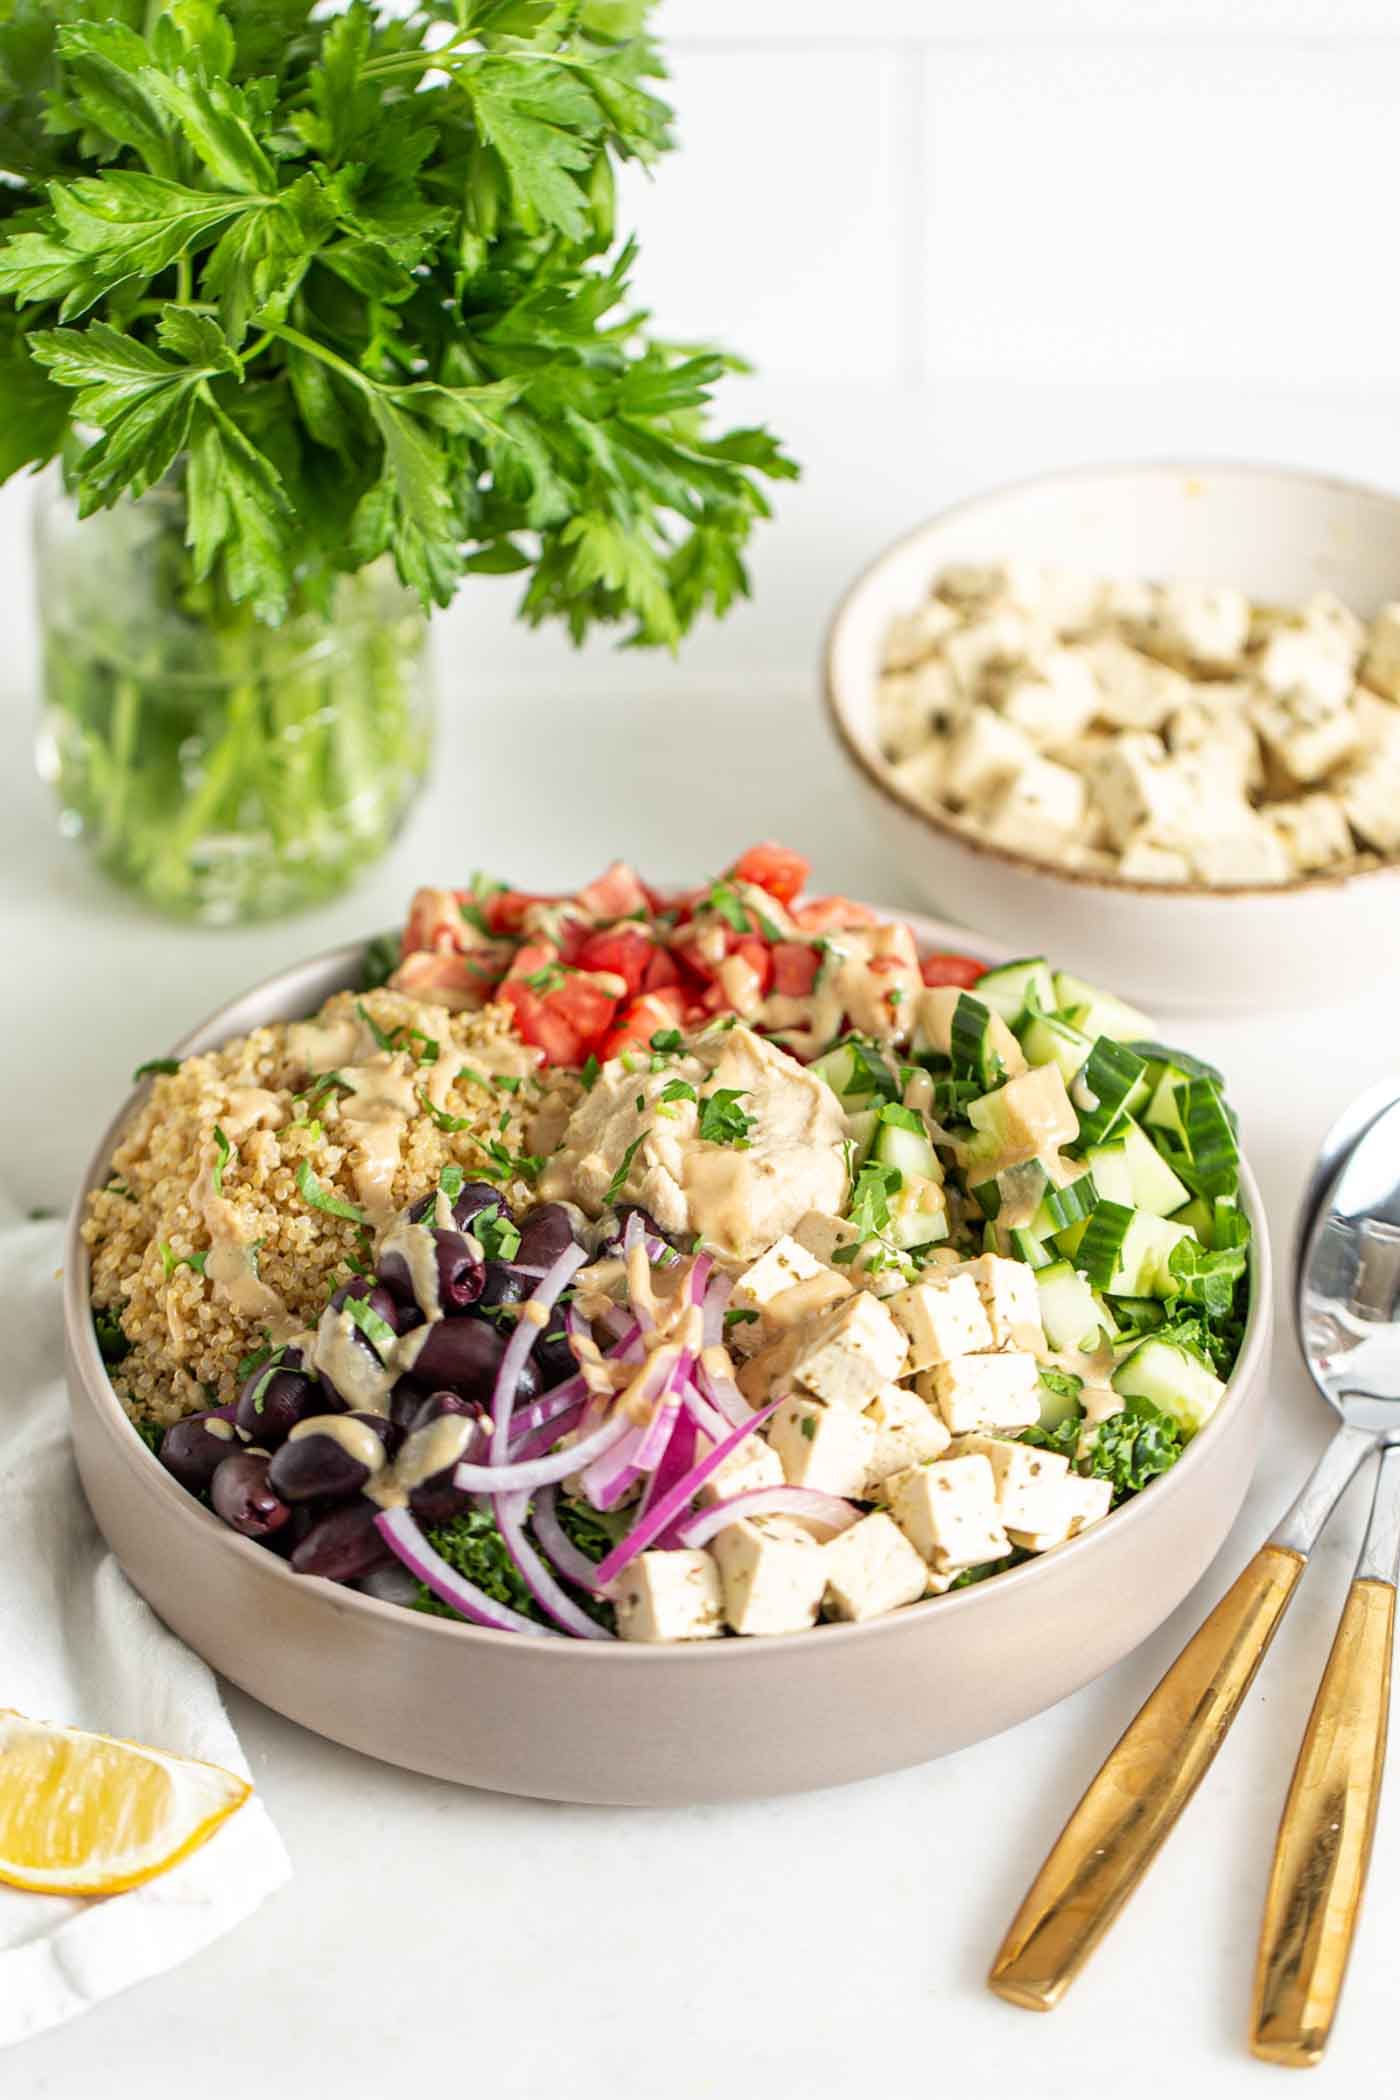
(1121, 189)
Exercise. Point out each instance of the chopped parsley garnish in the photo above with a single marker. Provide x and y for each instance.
(474, 916)
(319, 1087)
(738, 1317)
(111, 1338)
(619, 1181)
(473, 1077)
(451, 1181)
(677, 1090)
(902, 1118)
(372, 1325)
(666, 1041)
(722, 1121)
(272, 1361)
(155, 1064)
(255, 1357)
(170, 1261)
(869, 1209)
(115, 1187)
(428, 1054)
(498, 1234)
(724, 900)
(445, 1122)
(546, 980)
(381, 958)
(321, 1198)
(503, 1163)
(506, 1083)
(808, 1426)
(226, 1152)
(640, 1103)
(589, 1073)
(383, 1040)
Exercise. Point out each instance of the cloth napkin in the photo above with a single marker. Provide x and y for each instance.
(78, 1645)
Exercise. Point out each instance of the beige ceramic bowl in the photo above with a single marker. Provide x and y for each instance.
(581, 1721)
(1279, 534)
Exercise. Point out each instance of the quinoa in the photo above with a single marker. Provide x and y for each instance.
(183, 1337)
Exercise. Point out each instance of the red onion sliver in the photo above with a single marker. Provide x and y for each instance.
(542, 1440)
(722, 1393)
(669, 1505)
(676, 1460)
(402, 1536)
(574, 1566)
(707, 1418)
(522, 1342)
(510, 1521)
(716, 1302)
(809, 1503)
(524, 1475)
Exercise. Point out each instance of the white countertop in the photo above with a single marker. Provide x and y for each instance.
(804, 1948)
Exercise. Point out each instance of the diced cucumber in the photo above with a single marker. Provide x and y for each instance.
(1172, 1378)
(837, 1067)
(1111, 1078)
(895, 1145)
(1024, 1246)
(856, 1073)
(1015, 1195)
(1163, 1111)
(860, 1129)
(918, 1213)
(1065, 1206)
(1014, 988)
(1056, 1407)
(1109, 1166)
(1129, 1251)
(973, 1042)
(1155, 1186)
(1099, 1013)
(1198, 1216)
(1069, 1312)
(1050, 1041)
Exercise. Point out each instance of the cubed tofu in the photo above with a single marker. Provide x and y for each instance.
(989, 645)
(1136, 788)
(872, 1568)
(1010, 1299)
(1028, 1116)
(983, 751)
(1078, 1503)
(773, 1574)
(670, 1596)
(821, 1233)
(1381, 665)
(907, 1433)
(1301, 660)
(1053, 700)
(1325, 614)
(1306, 738)
(912, 637)
(1214, 724)
(1313, 831)
(1027, 1480)
(1251, 852)
(1039, 810)
(768, 1370)
(1145, 861)
(784, 1286)
(948, 1512)
(1000, 1391)
(751, 1464)
(823, 1447)
(1369, 792)
(974, 586)
(849, 1353)
(923, 776)
(942, 1319)
(914, 707)
(1378, 724)
(1134, 691)
(1199, 623)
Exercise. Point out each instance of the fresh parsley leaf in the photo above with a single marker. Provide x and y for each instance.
(372, 1325)
(225, 1152)
(1132, 1447)
(666, 1041)
(381, 958)
(321, 1198)
(451, 1181)
(112, 1341)
(383, 1039)
(722, 1121)
(678, 1090)
(619, 1181)
(588, 1074)
(869, 1208)
(498, 1234)
(155, 1064)
(738, 1316)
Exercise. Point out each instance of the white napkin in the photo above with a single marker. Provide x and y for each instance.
(78, 1645)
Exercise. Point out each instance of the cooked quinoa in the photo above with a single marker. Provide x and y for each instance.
(170, 1173)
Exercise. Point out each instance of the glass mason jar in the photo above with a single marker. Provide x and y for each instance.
(225, 769)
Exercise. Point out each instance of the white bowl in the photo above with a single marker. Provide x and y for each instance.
(620, 1722)
(1278, 533)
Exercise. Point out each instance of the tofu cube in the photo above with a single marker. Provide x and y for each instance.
(1053, 700)
(923, 776)
(1078, 1503)
(942, 1319)
(872, 1568)
(784, 1286)
(1143, 861)
(849, 1353)
(1298, 660)
(823, 1447)
(1381, 665)
(1369, 792)
(1378, 722)
(1028, 1481)
(990, 643)
(821, 1232)
(948, 1513)
(914, 707)
(1133, 691)
(773, 1575)
(751, 1464)
(1252, 852)
(983, 751)
(907, 1433)
(1313, 831)
(984, 1392)
(1040, 809)
(768, 1371)
(1011, 1300)
(1199, 623)
(670, 1596)
(1136, 788)
(1026, 1117)
(1307, 738)
(1213, 724)
(1324, 614)
(916, 635)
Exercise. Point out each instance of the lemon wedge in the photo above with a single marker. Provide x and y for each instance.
(88, 1815)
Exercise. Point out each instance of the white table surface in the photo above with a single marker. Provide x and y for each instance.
(804, 1948)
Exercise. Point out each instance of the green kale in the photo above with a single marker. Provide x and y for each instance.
(473, 1546)
(1132, 1447)
(152, 1435)
(111, 1337)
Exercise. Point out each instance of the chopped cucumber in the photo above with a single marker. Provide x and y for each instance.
(1050, 1041)
(857, 1073)
(1024, 1246)
(1017, 988)
(1163, 1111)
(1198, 1217)
(1155, 1186)
(918, 1213)
(1065, 1206)
(1109, 1166)
(1129, 1251)
(1069, 1312)
(973, 1045)
(1110, 1080)
(1172, 1378)
(1099, 1013)
(860, 1129)
(1057, 1404)
(896, 1145)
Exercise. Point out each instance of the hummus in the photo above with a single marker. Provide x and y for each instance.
(738, 1198)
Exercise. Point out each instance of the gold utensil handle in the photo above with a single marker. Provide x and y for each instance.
(1324, 1839)
(1122, 1820)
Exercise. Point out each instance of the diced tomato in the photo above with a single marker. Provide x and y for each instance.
(566, 1020)
(434, 921)
(505, 912)
(532, 956)
(826, 914)
(452, 980)
(661, 970)
(645, 1017)
(615, 895)
(774, 869)
(625, 950)
(951, 969)
(759, 957)
(795, 965)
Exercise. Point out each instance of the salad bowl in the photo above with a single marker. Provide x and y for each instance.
(648, 1725)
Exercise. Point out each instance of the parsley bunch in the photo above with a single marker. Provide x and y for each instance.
(351, 279)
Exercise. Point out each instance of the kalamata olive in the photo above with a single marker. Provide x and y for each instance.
(436, 1498)
(504, 1285)
(544, 1234)
(316, 1464)
(193, 1449)
(405, 1400)
(342, 1544)
(274, 1398)
(243, 1495)
(464, 1354)
(436, 1405)
(459, 1272)
(556, 1360)
(612, 1240)
(470, 1200)
(368, 1292)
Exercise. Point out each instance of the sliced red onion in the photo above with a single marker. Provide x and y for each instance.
(522, 1342)
(705, 1417)
(722, 1393)
(632, 1232)
(808, 1503)
(677, 1459)
(546, 1438)
(531, 1473)
(698, 1279)
(526, 1422)
(608, 1478)
(715, 1305)
(510, 1521)
(668, 1506)
(403, 1537)
(573, 1565)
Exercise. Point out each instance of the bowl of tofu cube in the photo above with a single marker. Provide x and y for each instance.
(908, 1384)
(1145, 718)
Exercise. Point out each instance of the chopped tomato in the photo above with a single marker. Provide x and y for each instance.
(565, 1019)
(457, 980)
(625, 950)
(795, 966)
(825, 914)
(950, 969)
(774, 869)
(434, 921)
(662, 970)
(615, 895)
(505, 912)
(532, 957)
(645, 1017)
